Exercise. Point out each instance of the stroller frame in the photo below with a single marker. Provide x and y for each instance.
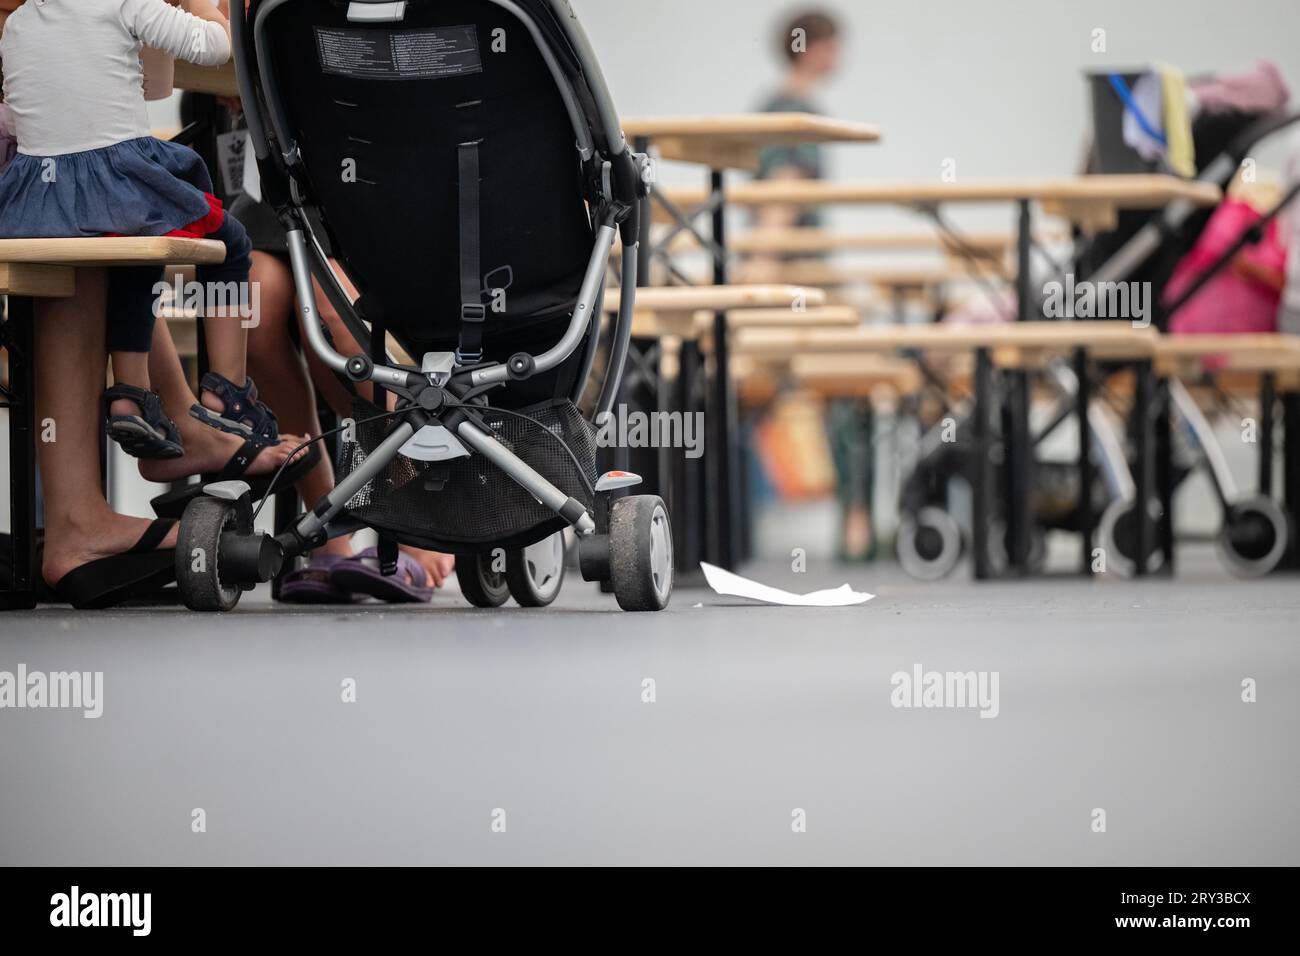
(435, 398)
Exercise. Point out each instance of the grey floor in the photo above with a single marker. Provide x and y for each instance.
(1113, 695)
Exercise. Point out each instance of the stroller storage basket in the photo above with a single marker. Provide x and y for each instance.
(468, 503)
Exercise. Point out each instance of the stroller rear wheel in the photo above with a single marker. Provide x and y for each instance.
(929, 543)
(479, 582)
(198, 555)
(535, 574)
(1253, 537)
(1117, 536)
(641, 553)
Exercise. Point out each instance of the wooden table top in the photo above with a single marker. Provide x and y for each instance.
(219, 80)
(112, 250)
(797, 240)
(47, 267)
(1092, 201)
(1110, 338)
(726, 141)
(733, 141)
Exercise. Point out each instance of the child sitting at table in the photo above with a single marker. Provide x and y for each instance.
(87, 166)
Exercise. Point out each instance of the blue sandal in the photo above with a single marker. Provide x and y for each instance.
(151, 434)
(241, 413)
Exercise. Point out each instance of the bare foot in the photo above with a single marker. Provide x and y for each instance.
(437, 566)
(71, 544)
(207, 450)
(124, 406)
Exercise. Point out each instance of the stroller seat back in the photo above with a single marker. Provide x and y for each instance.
(421, 136)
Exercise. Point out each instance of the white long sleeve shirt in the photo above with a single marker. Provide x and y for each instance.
(72, 75)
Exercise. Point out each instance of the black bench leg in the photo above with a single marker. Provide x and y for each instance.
(19, 397)
(1267, 401)
(1291, 469)
(982, 468)
(1142, 430)
(1082, 398)
(1165, 473)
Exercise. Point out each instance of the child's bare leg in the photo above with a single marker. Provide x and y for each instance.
(129, 368)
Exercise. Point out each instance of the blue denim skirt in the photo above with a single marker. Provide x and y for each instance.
(140, 187)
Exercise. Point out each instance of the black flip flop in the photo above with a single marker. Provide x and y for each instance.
(151, 434)
(172, 504)
(144, 570)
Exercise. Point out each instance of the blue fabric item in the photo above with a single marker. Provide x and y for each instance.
(140, 187)
(1122, 91)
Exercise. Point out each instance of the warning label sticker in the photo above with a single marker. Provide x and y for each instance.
(399, 55)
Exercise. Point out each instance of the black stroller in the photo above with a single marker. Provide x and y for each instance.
(1144, 247)
(470, 172)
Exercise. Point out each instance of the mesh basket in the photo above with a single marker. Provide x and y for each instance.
(470, 501)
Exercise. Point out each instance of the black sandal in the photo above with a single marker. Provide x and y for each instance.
(241, 413)
(151, 434)
(107, 582)
(172, 504)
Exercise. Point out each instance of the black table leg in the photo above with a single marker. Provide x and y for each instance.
(688, 486)
(1291, 467)
(721, 407)
(1143, 478)
(982, 470)
(1082, 399)
(1267, 400)
(1164, 465)
(19, 398)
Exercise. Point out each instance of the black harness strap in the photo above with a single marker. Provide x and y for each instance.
(472, 312)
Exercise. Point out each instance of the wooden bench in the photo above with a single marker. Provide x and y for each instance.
(46, 268)
(1187, 356)
(1015, 345)
(671, 310)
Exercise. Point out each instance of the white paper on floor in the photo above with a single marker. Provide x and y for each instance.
(724, 582)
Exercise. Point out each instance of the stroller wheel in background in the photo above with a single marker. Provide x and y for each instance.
(641, 553)
(535, 574)
(482, 586)
(1117, 537)
(929, 543)
(1254, 536)
(198, 555)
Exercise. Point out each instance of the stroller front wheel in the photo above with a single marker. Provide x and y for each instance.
(479, 582)
(641, 553)
(198, 555)
(535, 574)
(929, 543)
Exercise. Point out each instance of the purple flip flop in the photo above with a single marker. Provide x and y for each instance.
(360, 574)
(313, 584)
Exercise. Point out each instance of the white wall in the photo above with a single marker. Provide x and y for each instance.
(994, 84)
